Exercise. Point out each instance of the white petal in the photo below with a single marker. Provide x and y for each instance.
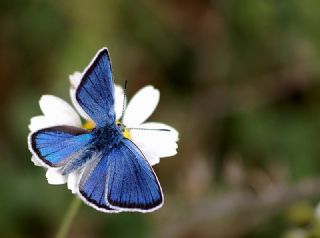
(59, 111)
(36, 161)
(73, 181)
(37, 123)
(148, 154)
(158, 147)
(161, 143)
(141, 106)
(118, 98)
(54, 176)
(40, 122)
(75, 80)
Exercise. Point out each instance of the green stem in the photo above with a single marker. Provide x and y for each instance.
(68, 218)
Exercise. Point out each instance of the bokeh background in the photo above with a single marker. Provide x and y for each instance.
(240, 80)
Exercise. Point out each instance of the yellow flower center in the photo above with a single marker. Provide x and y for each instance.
(126, 134)
(89, 125)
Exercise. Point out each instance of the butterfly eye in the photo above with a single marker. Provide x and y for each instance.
(121, 126)
(124, 130)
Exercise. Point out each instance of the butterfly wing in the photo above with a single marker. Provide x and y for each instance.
(95, 93)
(55, 146)
(123, 180)
(92, 184)
(131, 182)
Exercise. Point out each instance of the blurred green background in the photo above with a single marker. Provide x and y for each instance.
(240, 80)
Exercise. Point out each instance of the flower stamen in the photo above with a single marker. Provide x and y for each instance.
(125, 131)
(88, 125)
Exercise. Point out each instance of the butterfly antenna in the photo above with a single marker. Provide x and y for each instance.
(148, 129)
(124, 100)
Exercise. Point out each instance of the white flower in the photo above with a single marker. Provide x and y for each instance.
(154, 144)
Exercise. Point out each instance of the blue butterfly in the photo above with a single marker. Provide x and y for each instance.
(116, 176)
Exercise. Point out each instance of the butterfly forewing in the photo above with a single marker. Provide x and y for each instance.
(55, 146)
(95, 94)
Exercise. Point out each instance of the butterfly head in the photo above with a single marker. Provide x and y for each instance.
(124, 130)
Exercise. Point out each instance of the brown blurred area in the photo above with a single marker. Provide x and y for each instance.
(238, 79)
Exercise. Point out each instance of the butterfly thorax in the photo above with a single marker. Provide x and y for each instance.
(107, 137)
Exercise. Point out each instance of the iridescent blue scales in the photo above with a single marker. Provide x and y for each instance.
(115, 174)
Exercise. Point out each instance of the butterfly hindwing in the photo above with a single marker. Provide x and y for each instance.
(123, 180)
(55, 146)
(92, 186)
(95, 94)
(131, 183)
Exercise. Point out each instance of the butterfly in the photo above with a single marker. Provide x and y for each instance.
(115, 174)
